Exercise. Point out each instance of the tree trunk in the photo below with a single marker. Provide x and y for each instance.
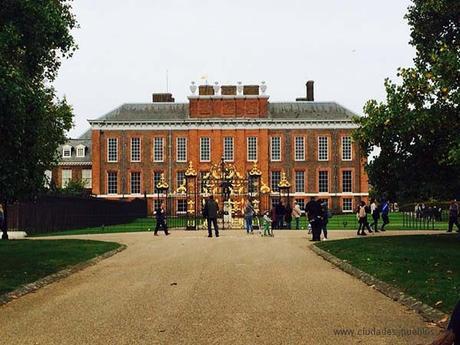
(5, 222)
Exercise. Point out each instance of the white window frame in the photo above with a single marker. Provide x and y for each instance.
(139, 149)
(108, 182)
(297, 150)
(79, 148)
(351, 205)
(180, 180)
(251, 149)
(158, 149)
(156, 173)
(48, 178)
(272, 159)
(177, 206)
(109, 140)
(319, 181)
(349, 151)
(66, 151)
(343, 181)
(202, 140)
(320, 151)
(179, 147)
(274, 187)
(303, 181)
(138, 173)
(87, 181)
(230, 150)
(65, 180)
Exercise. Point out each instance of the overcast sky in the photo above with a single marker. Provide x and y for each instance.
(126, 47)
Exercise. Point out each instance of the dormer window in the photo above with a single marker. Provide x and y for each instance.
(66, 151)
(81, 151)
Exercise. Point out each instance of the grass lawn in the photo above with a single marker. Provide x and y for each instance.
(337, 222)
(426, 267)
(26, 261)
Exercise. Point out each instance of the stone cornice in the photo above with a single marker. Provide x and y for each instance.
(230, 123)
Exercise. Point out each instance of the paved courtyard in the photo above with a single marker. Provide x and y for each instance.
(190, 289)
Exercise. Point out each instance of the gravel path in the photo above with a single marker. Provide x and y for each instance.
(190, 289)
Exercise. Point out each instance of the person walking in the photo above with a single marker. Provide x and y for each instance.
(296, 213)
(210, 212)
(313, 209)
(325, 216)
(248, 216)
(288, 216)
(280, 212)
(375, 215)
(453, 216)
(160, 215)
(385, 213)
(362, 219)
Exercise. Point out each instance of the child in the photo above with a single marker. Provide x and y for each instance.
(267, 222)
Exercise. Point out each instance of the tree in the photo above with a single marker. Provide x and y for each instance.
(417, 128)
(34, 37)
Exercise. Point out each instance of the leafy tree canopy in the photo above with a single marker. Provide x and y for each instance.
(34, 37)
(417, 127)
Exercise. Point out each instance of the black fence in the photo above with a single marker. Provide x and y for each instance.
(432, 220)
(52, 213)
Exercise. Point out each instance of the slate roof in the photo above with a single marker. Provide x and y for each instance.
(74, 160)
(319, 111)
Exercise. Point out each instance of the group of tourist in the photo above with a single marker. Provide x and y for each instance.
(375, 210)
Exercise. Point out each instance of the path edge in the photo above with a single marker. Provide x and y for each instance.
(54, 277)
(428, 313)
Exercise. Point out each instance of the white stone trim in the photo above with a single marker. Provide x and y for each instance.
(321, 194)
(220, 124)
(228, 97)
(74, 163)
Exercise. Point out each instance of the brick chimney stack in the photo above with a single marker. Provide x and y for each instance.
(162, 97)
(310, 91)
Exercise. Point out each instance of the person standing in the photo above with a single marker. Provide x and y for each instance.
(210, 210)
(248, 216)
(313, 209)
(385, 213)
(375, 215)
(280, 212)
(296, 213)
(160, 215)
(453, 216)
(2, 217)
(325, 216)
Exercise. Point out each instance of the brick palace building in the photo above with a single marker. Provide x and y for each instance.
(126, 151)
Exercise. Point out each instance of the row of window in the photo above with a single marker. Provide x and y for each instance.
(79, 151)
(229, 149)
(66, 177)
(347, 204)
(275, 177)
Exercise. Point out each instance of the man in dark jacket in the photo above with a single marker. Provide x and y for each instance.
(453, 216)
(210, 212)
(280, 213)
(313, 209)
(160, 215)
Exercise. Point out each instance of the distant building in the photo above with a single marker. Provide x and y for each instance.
(127, 150)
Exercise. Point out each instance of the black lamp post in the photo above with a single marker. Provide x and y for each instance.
(190, 180)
